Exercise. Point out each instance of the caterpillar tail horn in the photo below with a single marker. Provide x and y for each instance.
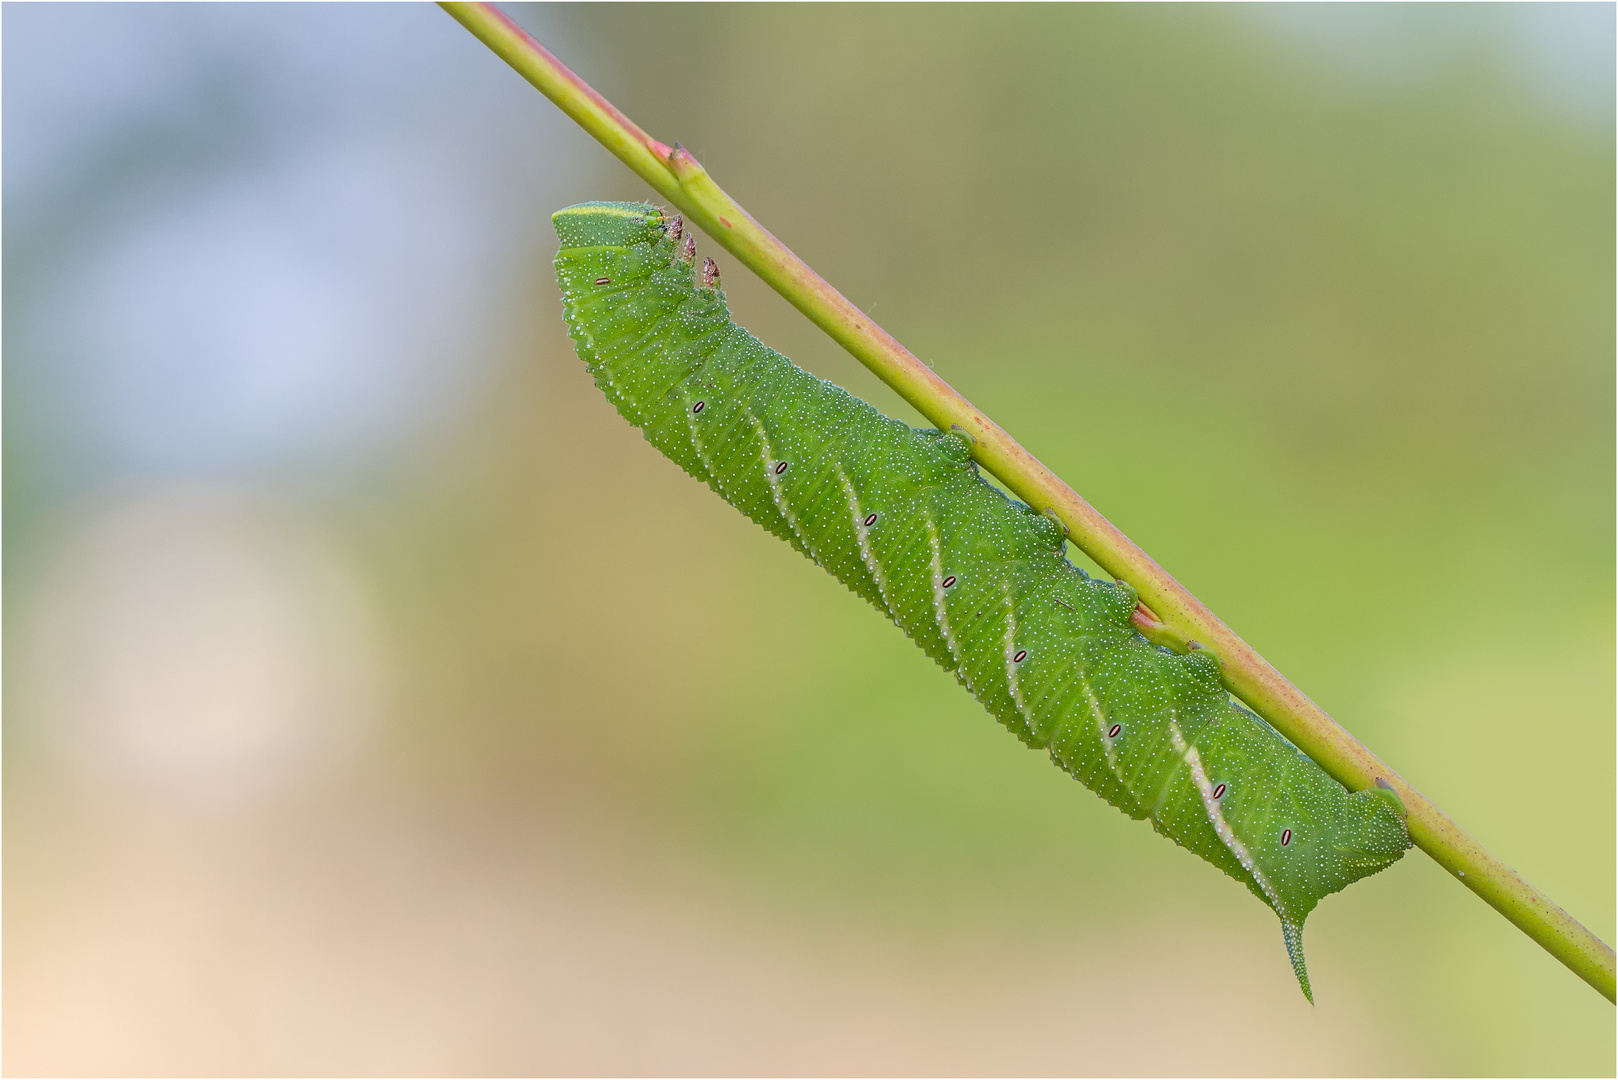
(1293, 933)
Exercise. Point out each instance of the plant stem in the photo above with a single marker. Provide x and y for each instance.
(1168, 615)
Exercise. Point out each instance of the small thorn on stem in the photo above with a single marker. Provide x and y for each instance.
(682, 164)
(710, 274)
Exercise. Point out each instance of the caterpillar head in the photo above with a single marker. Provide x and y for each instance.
(607, 224)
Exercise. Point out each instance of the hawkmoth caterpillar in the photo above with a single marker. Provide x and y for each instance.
(979, 581)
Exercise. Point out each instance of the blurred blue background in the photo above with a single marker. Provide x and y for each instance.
(377, 701)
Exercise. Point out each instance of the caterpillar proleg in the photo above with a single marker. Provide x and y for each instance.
(980, 582)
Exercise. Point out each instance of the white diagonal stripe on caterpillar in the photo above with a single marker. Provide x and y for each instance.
(940, 608)
(860, 538)
(773, 480)
(1012, 684)
(1100, 714)
(696, 442)
(1216, 817)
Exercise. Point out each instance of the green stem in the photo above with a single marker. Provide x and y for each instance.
(1169, 614)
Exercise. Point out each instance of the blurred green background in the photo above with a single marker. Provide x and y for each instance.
(378, 701)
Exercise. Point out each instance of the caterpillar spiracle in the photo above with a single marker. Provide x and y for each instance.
(980, 582)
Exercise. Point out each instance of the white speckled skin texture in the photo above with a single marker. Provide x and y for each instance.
(980, 582)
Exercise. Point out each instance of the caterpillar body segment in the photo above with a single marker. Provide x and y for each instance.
(978, 581)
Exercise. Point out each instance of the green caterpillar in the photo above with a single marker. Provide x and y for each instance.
(979, 581)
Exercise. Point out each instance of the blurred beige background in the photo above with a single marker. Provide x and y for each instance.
(376, 701)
